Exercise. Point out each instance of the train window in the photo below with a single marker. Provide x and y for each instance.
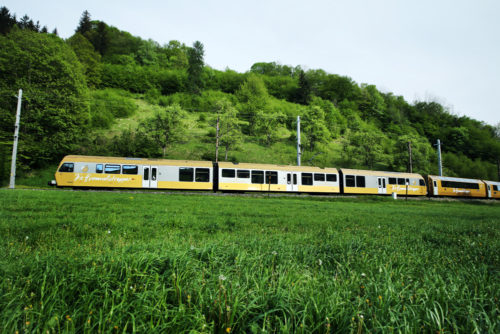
(392, 180)
(495, 187)
(186, 174)
(294, 178)
(153, 173)
(67, 167)
(258, 176)
(146, 174)
(98, 168)
(307, 179)
(331, 177)
(350, 181)
(421, 182)
(202, 175)
(319, 177)
(243, 173)
(407, 181)
(228, 173)
(288, 178)
(360, 181)
(112, 169)
(271, 177)
(130, 169)
(455, 184)
(401, 181)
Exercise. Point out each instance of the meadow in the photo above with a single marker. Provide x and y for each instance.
(108, 262)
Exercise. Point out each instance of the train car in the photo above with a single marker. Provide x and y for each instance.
(356, 181)
(492, 189)
(456, 187)
(277, 178)
(110, 172)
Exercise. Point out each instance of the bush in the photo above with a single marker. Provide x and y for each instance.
(109, 104)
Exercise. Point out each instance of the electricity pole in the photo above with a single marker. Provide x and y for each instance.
(409, 154)
(440, 163)
(217, 140)
(298, 141)
(12, 183)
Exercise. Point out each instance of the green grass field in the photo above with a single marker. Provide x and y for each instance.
(110, 262)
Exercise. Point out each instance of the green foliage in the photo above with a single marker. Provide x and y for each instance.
(85, 25)
(87, 56)
(124, 262)
(108, 104)
(230, 135)
(7, 21)
(55, 111)
(165, 128)
(314, 127)
(195, 67)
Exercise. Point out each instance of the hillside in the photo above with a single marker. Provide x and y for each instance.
(106, 92)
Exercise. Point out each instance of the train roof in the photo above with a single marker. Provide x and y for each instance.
(455, 179)
(380, 173)
(277, 167)
(139, 161)
(496, 183)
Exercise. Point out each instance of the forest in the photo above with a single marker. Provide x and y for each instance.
(104, 91)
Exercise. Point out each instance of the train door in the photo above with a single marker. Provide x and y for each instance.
(382, 185)
(291, 182)
(435, 187)
(150, 177)
(489, 190)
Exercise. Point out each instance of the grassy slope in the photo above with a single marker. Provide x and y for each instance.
(86, 261)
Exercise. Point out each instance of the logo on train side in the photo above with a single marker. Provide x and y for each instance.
(455, 190)
(403, 188)
(108, 178)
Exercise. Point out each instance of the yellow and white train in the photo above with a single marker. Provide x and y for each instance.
(111, 172)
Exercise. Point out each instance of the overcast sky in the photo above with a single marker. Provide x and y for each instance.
(439, 50)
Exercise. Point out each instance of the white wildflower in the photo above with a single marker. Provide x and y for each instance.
(192, 247)
(275, 253)
(26, 238)
(109, 231)
(222, 277)
(320, 262)
(363, 275)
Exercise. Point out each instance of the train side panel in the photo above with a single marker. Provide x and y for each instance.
(456, 187)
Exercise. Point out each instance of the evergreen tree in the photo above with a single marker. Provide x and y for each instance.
(100, 38)
(195, 67)
(7, 21)
(85, 25)
(54, 32)
(303, 94)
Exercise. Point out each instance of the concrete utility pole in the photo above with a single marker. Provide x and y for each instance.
(12, 183)
(440, 163)
(298, 141)
(217, 141)
(498, 167)
(409, 154)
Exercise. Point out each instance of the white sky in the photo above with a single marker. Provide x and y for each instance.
(442, 50)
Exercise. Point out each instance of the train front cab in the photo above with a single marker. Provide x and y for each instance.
(356, 181)
(492, 189)
(111, 172)
(276, 178)
(456, 187)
